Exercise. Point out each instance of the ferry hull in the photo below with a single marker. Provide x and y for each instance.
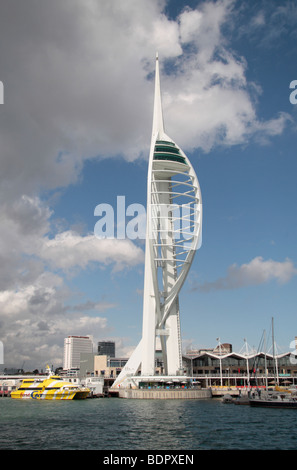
(60, 395)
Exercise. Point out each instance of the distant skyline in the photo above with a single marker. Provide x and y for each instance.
(75, 130)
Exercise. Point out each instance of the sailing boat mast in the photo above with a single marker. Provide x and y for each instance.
(275, 367)
(247, 364)
(265, 360)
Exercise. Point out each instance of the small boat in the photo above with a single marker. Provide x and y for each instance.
(273, 400)
(240, 400)
(51, 388)
(228, 399)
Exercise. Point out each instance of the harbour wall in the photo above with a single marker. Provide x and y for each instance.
(165, 394)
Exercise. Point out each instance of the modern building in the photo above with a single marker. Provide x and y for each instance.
(238, 369)
(86, 365)
(106, 348)
(108, 367)
(74, 346)
(174, 233)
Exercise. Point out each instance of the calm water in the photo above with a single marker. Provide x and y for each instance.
(111, 424)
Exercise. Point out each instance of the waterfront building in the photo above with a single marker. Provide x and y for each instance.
(106, 348)
(173, 234)
(74, 346)
(202, 369)
(237, 369)
(108, 367)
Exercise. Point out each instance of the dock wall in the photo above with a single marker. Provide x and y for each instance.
(165, 394)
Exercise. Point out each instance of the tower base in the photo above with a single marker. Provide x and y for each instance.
(166, 394)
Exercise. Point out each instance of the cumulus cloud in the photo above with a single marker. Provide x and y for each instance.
(36, 318)
(69, 249)
(209, 101)
(75, 85)
(76, 77)
(34, 296)
(256, 272)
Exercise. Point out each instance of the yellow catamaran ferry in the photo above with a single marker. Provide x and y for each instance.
(51, 388)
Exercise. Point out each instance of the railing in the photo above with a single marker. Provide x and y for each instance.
(217, 375)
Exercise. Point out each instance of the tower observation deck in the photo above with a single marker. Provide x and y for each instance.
(173, 235)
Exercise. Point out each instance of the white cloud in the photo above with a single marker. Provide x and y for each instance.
(76, 85)
(69, 249)
(209, 102)
(259, 19)
(256, 272)
(34, 297)
(25, 228)
(35, 320)
(202, 27)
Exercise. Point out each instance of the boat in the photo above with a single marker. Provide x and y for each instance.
(277, 398)
(273, 400)
(240, 400)
(228, 399)
(53, 387)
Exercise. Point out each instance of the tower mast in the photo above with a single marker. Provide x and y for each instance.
(173, 234)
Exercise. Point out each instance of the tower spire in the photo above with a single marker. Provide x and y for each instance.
(158, 123)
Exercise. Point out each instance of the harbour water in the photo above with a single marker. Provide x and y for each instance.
(119, 424)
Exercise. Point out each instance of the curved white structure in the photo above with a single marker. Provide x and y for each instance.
(173, 234)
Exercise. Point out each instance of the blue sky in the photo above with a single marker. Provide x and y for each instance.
(75, 132)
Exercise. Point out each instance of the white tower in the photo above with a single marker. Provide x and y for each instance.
(173, 234)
